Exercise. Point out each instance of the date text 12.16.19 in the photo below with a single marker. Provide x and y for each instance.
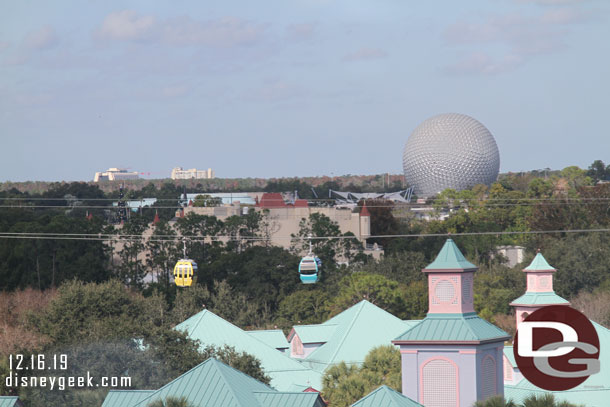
(38, 362)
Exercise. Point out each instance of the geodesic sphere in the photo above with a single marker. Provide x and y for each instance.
(450, 150)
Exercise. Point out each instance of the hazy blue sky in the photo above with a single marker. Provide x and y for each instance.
(294, 88)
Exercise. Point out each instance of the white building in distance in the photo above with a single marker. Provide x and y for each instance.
(193, 173)
(115, 174)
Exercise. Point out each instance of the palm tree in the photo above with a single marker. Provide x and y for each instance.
(546, 400)
(496, 401)
(171, 402)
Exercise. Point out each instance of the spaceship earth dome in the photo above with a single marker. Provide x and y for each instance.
(450, 150)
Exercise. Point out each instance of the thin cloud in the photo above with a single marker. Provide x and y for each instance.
(301, 32)
(524, 37)
(222, 33)
(363, 54)
(276, 91)
(174, 91)
(127, 25)
(42, 38)
(482, 63)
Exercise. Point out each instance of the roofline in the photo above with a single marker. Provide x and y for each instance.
(290, 335)
(539, 271)
(423, 342)
(427, 270)
(512, 304)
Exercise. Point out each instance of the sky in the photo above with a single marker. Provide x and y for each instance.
(281, 88)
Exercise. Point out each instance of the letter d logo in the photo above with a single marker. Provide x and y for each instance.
(526, 339)
(556, 348)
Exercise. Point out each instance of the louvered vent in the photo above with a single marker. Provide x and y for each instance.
(466, 289)
(439, 382)
(488, 377)
(444, 291)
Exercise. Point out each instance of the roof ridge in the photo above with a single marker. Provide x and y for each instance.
(351, 325)
(172, 381)
(228, 383)
(276, 354)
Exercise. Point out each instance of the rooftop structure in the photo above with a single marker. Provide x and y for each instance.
(115, 174)
(384, 396)
(210, 329)
(347, 337)
(212, 383)
(452, 357)
(193, 173)
(539, 291)
(450, 151)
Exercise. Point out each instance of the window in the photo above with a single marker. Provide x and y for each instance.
(439, 383)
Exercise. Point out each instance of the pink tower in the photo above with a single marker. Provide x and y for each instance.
(539, 292)
(451, 358)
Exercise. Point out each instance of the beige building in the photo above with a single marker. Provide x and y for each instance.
(283, 220)
(193, 173)
(115, 174)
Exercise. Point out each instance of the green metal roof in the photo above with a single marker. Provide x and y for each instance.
(385, 397)
(453, 328)
(593, 392)
(124, 398)
(539, 264)
(295, 399)
(315, 333)
(8, 401)
(508, 352)
(450, 258)
(271, 337)
(210, 329)
(211, 383)
(533, 298)
(357, 330)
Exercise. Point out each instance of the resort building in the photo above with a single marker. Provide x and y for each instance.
(115, 174)
(193, 173)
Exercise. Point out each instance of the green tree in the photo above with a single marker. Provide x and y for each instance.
(265, 275)
(319, 227)
(546, 400)
(171, 402)
(305, 306)
(496, 401)
(598, 171)
(131, 270)
(206, 200)
(576, 177)
(342, 384)
(374, 288)
(540, 188)
(162, 253)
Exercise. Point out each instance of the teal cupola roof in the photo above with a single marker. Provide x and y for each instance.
(539, 264)
(539, 291)
(386, 397)
(450, 258)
